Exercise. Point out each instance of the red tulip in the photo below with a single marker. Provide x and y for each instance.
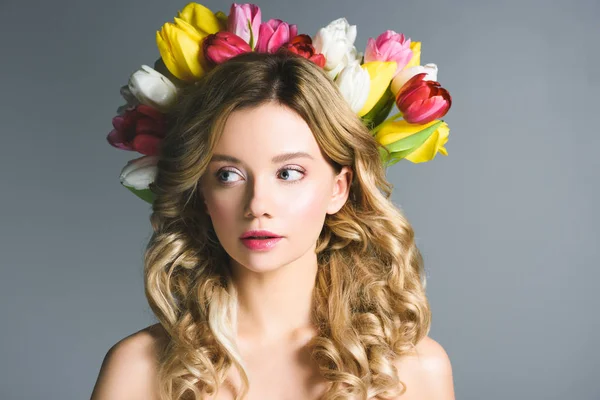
(422, 101)
(141, 128)
(302, 45)
(221, 46)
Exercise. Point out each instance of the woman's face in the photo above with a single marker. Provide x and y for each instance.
(246, 187)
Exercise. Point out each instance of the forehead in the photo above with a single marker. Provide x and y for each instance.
(266, 131)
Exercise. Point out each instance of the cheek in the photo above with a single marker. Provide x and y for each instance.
(307, 203)
(221, 209)
(305, 210)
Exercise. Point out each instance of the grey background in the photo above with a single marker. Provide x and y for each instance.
(507, 222)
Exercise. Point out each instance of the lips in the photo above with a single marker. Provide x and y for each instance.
(259, 234)
(261, 244)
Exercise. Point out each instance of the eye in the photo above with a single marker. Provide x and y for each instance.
(227, 173)
(285, 173)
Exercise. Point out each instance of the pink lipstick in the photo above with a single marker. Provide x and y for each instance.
(260, 239)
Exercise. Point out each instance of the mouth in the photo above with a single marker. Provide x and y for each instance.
(260, 243)
(259, 235)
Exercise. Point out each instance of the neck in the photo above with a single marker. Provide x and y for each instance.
(275, 305)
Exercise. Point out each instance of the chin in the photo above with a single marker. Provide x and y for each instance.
(259, 264)
(260, 261)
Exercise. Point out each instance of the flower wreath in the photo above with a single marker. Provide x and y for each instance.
(387, 73)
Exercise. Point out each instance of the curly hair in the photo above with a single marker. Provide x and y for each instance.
(369, 302)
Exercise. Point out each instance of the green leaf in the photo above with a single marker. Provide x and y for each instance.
(387, 159)
(393, 161)
(382, 153)
(144, 194)
(380, 110)
(412, 142)
(251, 35)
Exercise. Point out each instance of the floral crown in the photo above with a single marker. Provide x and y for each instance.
(388, 73)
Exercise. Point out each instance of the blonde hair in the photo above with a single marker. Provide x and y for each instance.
(369, 300)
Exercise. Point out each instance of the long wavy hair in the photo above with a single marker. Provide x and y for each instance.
(369, 302)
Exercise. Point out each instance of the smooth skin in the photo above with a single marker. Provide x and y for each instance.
(248, 185)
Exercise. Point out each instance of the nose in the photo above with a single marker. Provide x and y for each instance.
(259, 194)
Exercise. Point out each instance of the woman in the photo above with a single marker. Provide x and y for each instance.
(279, 267)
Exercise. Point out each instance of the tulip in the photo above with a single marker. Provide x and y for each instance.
(415, 48)
(336, 42)
(152, 88)
(273, 34)
(422, 101)
(380, 111)
(389, 46)
(130, 100)
(202, 19)
(416, 143)
(380, 73)
(223, 20)
(179, 43)
(302, 45)
(244, 21)
(354, 83)
(140, 129)
(138, 174)
(222, 46)
(351, 57)
(404, 76)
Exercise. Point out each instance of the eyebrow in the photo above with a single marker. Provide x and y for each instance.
(277, 159)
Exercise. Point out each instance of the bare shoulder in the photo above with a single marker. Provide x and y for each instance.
(427, 374)
(129, 368)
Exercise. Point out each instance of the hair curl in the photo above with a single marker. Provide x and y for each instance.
(370, 305)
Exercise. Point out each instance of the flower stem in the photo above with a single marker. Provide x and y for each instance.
(392, 118)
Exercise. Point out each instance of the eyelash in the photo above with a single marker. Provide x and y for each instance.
(282, 169)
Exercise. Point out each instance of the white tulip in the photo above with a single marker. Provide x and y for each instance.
(152, 88)
(139, 173)
(130, 100)
(334, 41)
(354, 83)
(351, 57)
(403, 76)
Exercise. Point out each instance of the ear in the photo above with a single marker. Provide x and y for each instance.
(341, 190)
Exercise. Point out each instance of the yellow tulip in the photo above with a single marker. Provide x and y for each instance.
(223, 19)
(201, 18)
(416, 57)
(180, 43)
(394, 131)
(381, 74)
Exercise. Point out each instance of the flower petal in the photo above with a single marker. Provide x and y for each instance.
(381, 73)
(393, 131)
(416, 55)
(279, 37)
(164, 48)
(146, 144)
(201, 18)
(433, 145)
(115, 138)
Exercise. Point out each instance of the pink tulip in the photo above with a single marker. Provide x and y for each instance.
(389, 46)
(422, 101)
(273, 34)
(237, 22)
(221, 46)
